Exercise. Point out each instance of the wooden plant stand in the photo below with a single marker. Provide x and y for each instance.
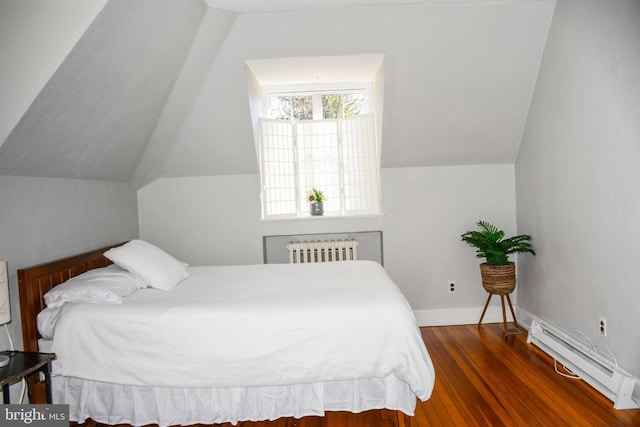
(504, 314)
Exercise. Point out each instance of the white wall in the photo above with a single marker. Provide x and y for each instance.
(426, 211)
(578, 177)
(42, 219)
(216, 220)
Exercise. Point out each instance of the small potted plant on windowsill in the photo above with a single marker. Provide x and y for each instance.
(315, 199)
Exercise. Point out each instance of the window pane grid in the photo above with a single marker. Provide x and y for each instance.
(361, 183)
(339, 157)
(318, 161)
(278, 168)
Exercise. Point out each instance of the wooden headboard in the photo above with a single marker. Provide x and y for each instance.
(35, 281)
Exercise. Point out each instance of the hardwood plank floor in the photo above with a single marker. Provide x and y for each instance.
(485, 379)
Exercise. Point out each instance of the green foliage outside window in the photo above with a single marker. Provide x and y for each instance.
(339, 106)
(300, 107)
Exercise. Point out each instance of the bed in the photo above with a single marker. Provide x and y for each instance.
(228, 343)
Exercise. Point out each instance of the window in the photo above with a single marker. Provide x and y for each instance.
(324, 140)
(316, 106)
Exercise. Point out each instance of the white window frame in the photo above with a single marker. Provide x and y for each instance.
(298, 194)
(316, 91)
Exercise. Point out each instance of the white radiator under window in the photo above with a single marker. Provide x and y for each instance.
(323, 251)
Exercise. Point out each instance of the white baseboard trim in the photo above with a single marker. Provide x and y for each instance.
(463, 316)
(525, 318)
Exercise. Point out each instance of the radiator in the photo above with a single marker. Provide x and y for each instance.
(601, 373)
(323, 251)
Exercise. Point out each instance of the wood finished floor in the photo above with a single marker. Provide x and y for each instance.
(485, 379)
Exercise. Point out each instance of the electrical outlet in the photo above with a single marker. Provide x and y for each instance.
(603, 326)
(452, 286)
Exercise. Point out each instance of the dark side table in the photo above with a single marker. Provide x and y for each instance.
(22, 364)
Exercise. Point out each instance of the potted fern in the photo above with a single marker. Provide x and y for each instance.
(498, 273)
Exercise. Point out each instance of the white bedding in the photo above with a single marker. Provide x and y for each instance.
(255, 327)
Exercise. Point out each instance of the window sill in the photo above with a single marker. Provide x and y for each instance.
(309, 217)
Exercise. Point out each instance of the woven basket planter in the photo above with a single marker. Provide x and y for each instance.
(498, 279)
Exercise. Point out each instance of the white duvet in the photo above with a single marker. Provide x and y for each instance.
(248, 326)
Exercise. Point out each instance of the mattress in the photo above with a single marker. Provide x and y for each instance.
(339, 336)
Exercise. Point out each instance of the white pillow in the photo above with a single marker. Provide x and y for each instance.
(108, 285)
(154, 266)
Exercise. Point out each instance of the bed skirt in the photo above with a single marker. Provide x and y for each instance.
(136, 405)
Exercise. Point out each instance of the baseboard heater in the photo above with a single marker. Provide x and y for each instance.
(601, 373)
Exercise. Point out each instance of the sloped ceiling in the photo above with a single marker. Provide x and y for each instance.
(152, 89)
(256, 6)
(311, 69)
(459, 77)
(95, 115)
(35, 37)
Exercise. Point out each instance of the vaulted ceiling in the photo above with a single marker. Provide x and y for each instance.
(158, 88)
(93, 117)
